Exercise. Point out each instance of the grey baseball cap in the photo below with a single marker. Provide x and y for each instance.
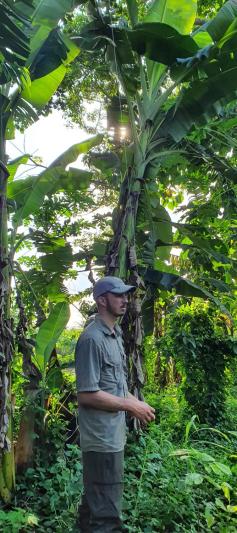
(111, 284)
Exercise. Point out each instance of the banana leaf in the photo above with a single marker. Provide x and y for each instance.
(58, 261)
(160, 42)
(72, 153)
(218, 26)
(29, 193)
(182, 286)
(49, 333)
(179, 15)
(200, 102)
(13, 165)
(14, 43)
(49, 68)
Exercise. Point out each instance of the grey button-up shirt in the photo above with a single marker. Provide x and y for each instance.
(101, 365)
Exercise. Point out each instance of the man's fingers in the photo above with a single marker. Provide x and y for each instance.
(148, 418)
(151, 416)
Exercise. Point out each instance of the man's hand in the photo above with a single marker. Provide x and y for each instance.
(108, 402)
(141, 410)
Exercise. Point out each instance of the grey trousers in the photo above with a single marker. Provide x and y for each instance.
(101, 503)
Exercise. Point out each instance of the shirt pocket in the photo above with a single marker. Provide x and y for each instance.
(111, 372)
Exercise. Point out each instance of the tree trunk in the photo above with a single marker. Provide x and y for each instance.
(122, 261)
(7, 471)
(25, 441)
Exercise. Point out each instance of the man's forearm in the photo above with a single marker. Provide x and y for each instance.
(108, 402)
(103, 400)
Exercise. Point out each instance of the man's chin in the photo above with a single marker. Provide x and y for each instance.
(121, 313)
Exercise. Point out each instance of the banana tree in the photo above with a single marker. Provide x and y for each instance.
(33, 61)
(174, 75)
(26, 197)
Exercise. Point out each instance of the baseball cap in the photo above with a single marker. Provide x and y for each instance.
(111, 284)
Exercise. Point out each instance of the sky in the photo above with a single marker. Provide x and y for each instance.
(48, 138)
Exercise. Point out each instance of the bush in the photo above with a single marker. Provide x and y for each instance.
(197, 338)
(53, 491)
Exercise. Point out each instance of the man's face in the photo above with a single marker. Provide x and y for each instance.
(116, 304)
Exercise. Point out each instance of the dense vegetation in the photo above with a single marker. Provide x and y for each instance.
(155, 203)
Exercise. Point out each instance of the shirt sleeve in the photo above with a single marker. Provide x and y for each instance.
(88, 363)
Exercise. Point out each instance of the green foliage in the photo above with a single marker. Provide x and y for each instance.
(197, 338)
(167, 489)
(54, 490)
(66, 346)
(49, 333)
(188, 488)
(34, 57)
(170, 12)
(17, 519)
(14, 42)
(29, 193)
(180, 476)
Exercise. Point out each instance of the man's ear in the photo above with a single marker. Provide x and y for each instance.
(101, 301)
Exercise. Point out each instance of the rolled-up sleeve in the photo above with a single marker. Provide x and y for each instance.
(88, 363)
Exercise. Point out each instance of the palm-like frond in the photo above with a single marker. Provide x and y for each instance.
(14, 42)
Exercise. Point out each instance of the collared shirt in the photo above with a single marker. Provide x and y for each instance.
(101, 365)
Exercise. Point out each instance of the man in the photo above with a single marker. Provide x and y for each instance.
(103, 399)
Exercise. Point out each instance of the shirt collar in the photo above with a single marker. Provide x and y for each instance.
(106, 330)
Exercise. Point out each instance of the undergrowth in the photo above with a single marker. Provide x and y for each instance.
(180, 476)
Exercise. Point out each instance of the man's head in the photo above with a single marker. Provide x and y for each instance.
(111, 295)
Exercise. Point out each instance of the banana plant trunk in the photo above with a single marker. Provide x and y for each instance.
(122, 262)
(24, 448)
(7, 469)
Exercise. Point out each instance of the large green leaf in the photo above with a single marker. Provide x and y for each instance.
(54, 379)
(148, 315)
(52, 54)
(72, 153)
(160, 226)
(95, 35)
(163, 228)
(218, 29)
(132, 11)
(14, 43)
(46, 12)
(202, 245)
(184, 287)
(48, 334)
(160, 42)
(179, 15)
(51, 11)
(55, 289)
(44, 16)
(229, 40)
(75, 179)
(49, 69)
(201, 101)
(106, 162)
(29, 193)
(219, 24)
(213, 247)
(13, 165)
(58, 261)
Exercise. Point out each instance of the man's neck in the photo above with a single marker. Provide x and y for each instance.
(108, 319)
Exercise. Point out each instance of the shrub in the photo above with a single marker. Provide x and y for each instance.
(197, 338)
